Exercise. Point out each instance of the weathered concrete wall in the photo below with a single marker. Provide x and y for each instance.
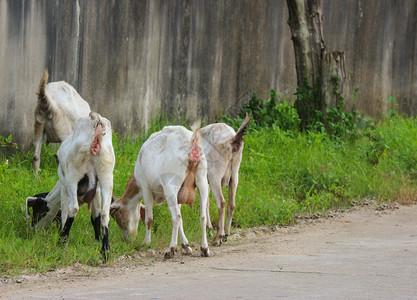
(380, 41)
(132, 59)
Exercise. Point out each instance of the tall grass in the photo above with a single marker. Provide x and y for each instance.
(284, 173)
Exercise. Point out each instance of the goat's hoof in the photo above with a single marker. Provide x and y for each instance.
(209, 231)
(62, 241)
(186, 250)
(105, 253)
(205, 252)
(218, 240)
(224, 239)
(171, 252)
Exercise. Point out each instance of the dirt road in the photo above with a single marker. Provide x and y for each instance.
(361, 254)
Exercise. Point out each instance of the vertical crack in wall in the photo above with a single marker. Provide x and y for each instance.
(77, 57)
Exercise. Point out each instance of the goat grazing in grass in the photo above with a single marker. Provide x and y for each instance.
(170, 165)
(86, 162)
(223, 151)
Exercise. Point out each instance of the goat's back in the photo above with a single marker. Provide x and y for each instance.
(217, 145)
(217, 133)
(163, 158)
(76, 148)
(66, 99)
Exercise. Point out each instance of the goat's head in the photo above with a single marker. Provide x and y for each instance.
(127, 218)
(127, 210)
(39, 207)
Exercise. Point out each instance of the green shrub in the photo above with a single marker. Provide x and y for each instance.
(267, 113)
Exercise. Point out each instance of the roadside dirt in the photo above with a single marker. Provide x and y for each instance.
(315, 252)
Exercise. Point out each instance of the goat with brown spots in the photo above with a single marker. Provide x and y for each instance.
(170, 165)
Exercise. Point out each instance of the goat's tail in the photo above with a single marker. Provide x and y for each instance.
(194, 156)
(237, 141)
(42, 99)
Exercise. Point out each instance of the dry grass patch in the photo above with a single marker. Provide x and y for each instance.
(407, 195)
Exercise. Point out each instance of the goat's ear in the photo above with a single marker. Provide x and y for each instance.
(114, 208)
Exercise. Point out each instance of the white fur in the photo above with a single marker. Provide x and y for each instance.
(56, 124)
(76, 160)
(160, 171)
(223, 170)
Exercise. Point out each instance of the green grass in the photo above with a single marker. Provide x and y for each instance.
(283, 174)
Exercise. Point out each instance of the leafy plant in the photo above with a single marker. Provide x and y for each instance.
(268, 113)
(7, 142)
(392, 107)
(308, 103)
(4, 140)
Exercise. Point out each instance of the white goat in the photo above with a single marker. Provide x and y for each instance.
(223, 149)
(170, 165)
(86, 162)
(59, 106)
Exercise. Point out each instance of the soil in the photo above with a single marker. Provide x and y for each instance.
(366, 252)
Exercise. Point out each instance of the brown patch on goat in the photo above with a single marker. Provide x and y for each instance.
(186, 194)
(238, 139)
(132, 188)
(121, 215)
(96, 144)
(142, 213)
(150, 221)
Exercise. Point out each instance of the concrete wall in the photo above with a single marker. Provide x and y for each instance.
(380, 41)
(133, 59)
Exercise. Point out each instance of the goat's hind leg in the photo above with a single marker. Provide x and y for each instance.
(106, 192)
(148, 200)
(216, 189)
(232, 194)
(202, 185)
(175, 210)
(209, 225)
(37, 143)
(185, 245)
(95, 215)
